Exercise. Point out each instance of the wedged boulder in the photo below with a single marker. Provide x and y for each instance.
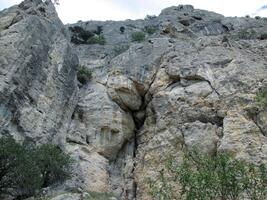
(123, 91)
(141, 62)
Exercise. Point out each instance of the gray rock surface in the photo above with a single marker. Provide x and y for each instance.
(192, 81)
(37, 76)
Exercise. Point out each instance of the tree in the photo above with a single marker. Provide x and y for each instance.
(25, 170)
(54, 165)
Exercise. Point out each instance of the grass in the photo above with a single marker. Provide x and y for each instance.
(138, 36)
(117, 50)
(261, 97)
(97, 39)
(150, 29)
(83, 74)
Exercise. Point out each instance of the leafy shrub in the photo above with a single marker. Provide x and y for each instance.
(149, 17)
(138, 36)
(79, 35)
(262, 36)
(150, 29)
(97, 39)
(99, 30)
(261, 97)
(203, 177)
(52, 163)
(122, 29)
(25, 170)
(117, 50)
(82, 36)
(83, 74)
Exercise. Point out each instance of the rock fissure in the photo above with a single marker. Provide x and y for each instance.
(177, 88)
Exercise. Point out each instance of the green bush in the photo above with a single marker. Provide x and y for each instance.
(138, 36)
(204, 177)
(150, 29)
(54, 165)
(97, 39)
(83, 74)
(80, 35)
(25, 170)
(261, 97)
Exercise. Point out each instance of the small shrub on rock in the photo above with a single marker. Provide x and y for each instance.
(80, 35)
(245, 34)
(97, 39)
(261, 97)
(117, 50)
(150, 29)
(122, 29)
(138, 36)
(83, 74)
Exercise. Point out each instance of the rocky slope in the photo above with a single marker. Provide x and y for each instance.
(192, 81)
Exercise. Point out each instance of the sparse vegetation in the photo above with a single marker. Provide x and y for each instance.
(261, 97)
(117, 50)
(100, 196)
(96, 39)
(245, 34)
(82, 36)
(263, 36)
(79, 35)
(204, 177)
(150, 29)
(25, 170)
(83, 74)
(122, 29)
(99, 30)
(149, 17)
(138, 36)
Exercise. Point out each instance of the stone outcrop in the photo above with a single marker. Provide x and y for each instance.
(192, 81)
(38, 87)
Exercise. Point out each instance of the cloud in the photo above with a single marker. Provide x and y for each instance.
(7, 3)
(262, 11)
(263, 7)
(71, 11)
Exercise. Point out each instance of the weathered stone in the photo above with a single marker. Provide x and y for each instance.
(100, 123)
(37, 78)
(192, 82)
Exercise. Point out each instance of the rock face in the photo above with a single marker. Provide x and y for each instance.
(192, 81)
(38, 89)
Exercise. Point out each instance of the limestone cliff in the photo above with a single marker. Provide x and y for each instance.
(192, 80)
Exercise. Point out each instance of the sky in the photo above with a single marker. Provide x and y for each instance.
(70, 11)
